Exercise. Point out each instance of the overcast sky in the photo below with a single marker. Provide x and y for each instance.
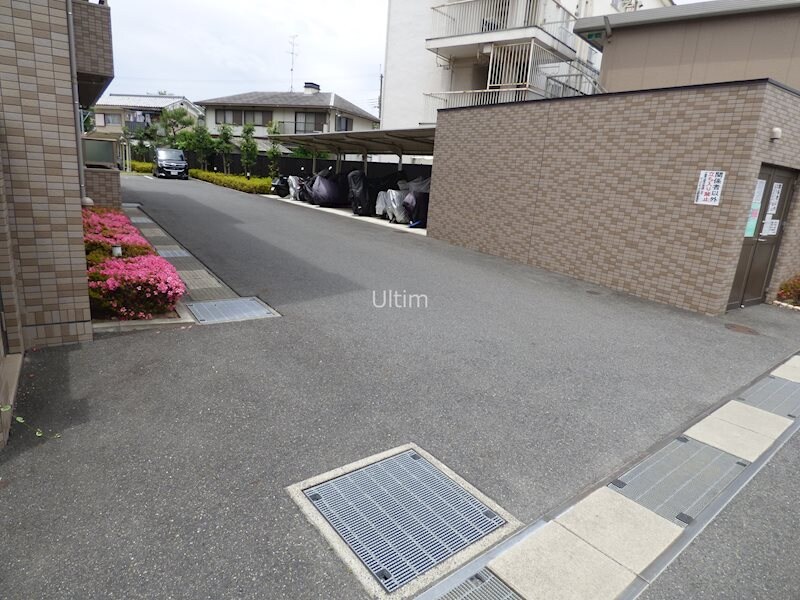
(207, 48)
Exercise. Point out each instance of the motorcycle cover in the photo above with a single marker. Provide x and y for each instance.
(416, 203)
(325, 191)
(382, 204)
(397, 212)
(359, 199)
(294, 187)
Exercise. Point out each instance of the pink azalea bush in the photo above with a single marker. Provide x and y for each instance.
(104, 228)
(134, 288)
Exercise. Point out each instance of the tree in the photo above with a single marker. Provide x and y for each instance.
(202, 144)
(274, 151)
(172, 122)
(224, 146)
(248, 148)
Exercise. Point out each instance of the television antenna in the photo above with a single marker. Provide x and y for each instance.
(294, 53)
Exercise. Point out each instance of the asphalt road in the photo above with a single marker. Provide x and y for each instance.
(177, 445)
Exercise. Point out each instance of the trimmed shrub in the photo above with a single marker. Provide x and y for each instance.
(139, 166)
(104, 228)
(134, 288)
(789, 291)
(254, 185)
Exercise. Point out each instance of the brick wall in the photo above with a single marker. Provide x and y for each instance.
(40, 165)
(93, 38)
(103, 187)
(601, 188)
(8, 278)
(781, 109)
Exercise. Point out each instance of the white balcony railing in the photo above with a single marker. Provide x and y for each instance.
(440, 100)
(480, 16)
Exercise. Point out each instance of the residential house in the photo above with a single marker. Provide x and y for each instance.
(309, 111)
(47, 46)
(476, 52)
(136, 111)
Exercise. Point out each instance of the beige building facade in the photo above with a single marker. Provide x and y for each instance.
(46, 44)
(603, 188)
(709, 42)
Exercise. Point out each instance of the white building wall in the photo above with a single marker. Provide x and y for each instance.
(412, 71)
(287, 116)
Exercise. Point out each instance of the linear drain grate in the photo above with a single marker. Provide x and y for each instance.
(141, 220)
(775, 395)
(484, 585)
(226, 311)
(402, 516)
(680, 480)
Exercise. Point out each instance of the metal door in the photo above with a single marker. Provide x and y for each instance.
(762, 236)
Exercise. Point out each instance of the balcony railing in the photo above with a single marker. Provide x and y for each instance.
(481, 16)
(440, 100)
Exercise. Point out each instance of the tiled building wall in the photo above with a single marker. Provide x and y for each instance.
(93, 38)
(103, 187)
(601, 188)
(39, 159)
(782, 109)
(8, 279)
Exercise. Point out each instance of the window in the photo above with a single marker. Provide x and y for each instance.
(310, 122)
(344, 123)
(257, 117)
(231, 117)
(170, 154)
(113, 119)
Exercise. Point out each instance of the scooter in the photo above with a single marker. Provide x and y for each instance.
(280, 186)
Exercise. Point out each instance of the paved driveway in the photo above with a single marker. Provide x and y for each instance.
(178, 444)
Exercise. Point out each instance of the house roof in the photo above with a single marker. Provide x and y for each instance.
(291, 99)
(145, 101)
(682, 12)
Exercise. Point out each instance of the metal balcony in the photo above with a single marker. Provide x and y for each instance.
(461, 28)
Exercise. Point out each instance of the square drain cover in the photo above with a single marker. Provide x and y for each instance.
(484, 585)
(775, 395)
(402, 516)
(141, 220)
(226, 311)
(680, 480)
(171, 251)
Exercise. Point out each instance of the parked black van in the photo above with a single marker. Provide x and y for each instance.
(170, 162)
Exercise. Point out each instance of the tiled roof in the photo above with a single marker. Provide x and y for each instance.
(290, 99)
(141, 100)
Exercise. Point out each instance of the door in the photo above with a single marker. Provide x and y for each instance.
(762, 236)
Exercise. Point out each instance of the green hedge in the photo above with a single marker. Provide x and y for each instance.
(254, 185)
(141, 167)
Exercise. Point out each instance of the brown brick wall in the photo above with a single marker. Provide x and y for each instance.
(103, 187)
(601, 188)
(93, 38)
(781, 109)
(40, 164)
(8, 278)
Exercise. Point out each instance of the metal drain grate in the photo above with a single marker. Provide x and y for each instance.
(141, 220)
(171, 251)
(402, 516)
(680, 480)
(775, 395)
(484, 585)
(227, 311)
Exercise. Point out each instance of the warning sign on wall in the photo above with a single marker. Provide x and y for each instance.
(709, 188)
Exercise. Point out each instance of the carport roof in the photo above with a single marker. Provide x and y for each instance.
(417, 141)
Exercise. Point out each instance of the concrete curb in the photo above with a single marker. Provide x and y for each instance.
(184, 317)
